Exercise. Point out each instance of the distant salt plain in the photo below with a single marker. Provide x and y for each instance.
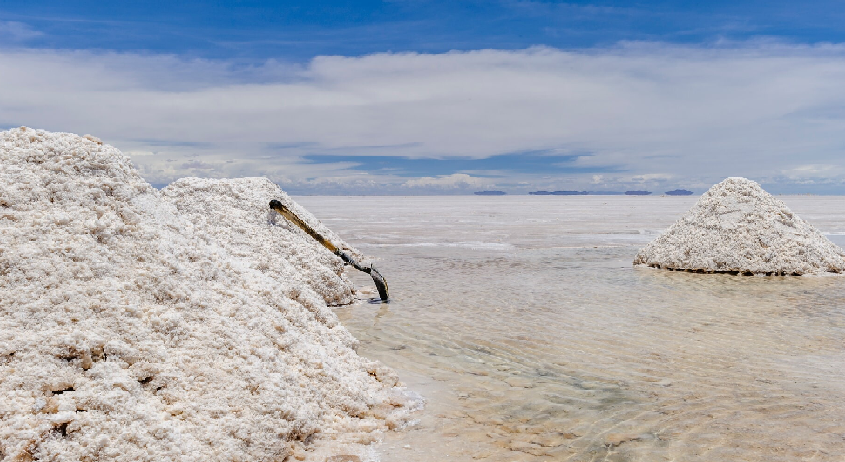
(523, 322)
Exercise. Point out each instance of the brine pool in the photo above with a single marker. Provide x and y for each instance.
(523, 323)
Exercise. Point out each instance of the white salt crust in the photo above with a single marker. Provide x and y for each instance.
(738, 227)
(235, 214)
(187, 325)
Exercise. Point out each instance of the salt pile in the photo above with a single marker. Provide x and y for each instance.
(179, 325)
(737, 227)
(234, 214)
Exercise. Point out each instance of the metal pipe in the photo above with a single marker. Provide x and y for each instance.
(378, 279)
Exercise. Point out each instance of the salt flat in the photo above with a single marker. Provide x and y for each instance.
(533, 337)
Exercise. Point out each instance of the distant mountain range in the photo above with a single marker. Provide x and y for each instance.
(679, 192)
(559, 193)
(576, 193)
(676, 192)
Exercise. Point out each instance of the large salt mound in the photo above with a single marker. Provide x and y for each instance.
(234, 214)
(132, 331)
(738, 227)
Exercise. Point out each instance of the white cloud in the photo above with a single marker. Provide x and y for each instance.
(652, 178)
(696, 114)
(454, 181)
(815, 171)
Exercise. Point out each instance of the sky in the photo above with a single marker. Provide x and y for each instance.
(434, 97)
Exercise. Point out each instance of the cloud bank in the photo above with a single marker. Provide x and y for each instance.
(645, 114)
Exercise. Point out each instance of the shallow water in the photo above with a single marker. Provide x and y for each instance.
(531, 335)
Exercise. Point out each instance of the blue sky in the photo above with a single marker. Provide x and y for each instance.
(422, 97)
(498, 166)
(253, 31)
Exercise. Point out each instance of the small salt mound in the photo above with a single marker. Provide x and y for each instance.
(737, 227)
(133, 331)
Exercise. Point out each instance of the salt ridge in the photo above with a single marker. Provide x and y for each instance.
(139, 325)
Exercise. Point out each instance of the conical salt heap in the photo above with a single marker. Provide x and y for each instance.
(737, 227)
(188, 325)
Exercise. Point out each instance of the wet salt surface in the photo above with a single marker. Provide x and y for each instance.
(524, 324)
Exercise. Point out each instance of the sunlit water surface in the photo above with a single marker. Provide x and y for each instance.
(524, 324)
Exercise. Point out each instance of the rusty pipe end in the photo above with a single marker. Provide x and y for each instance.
(275, 204)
